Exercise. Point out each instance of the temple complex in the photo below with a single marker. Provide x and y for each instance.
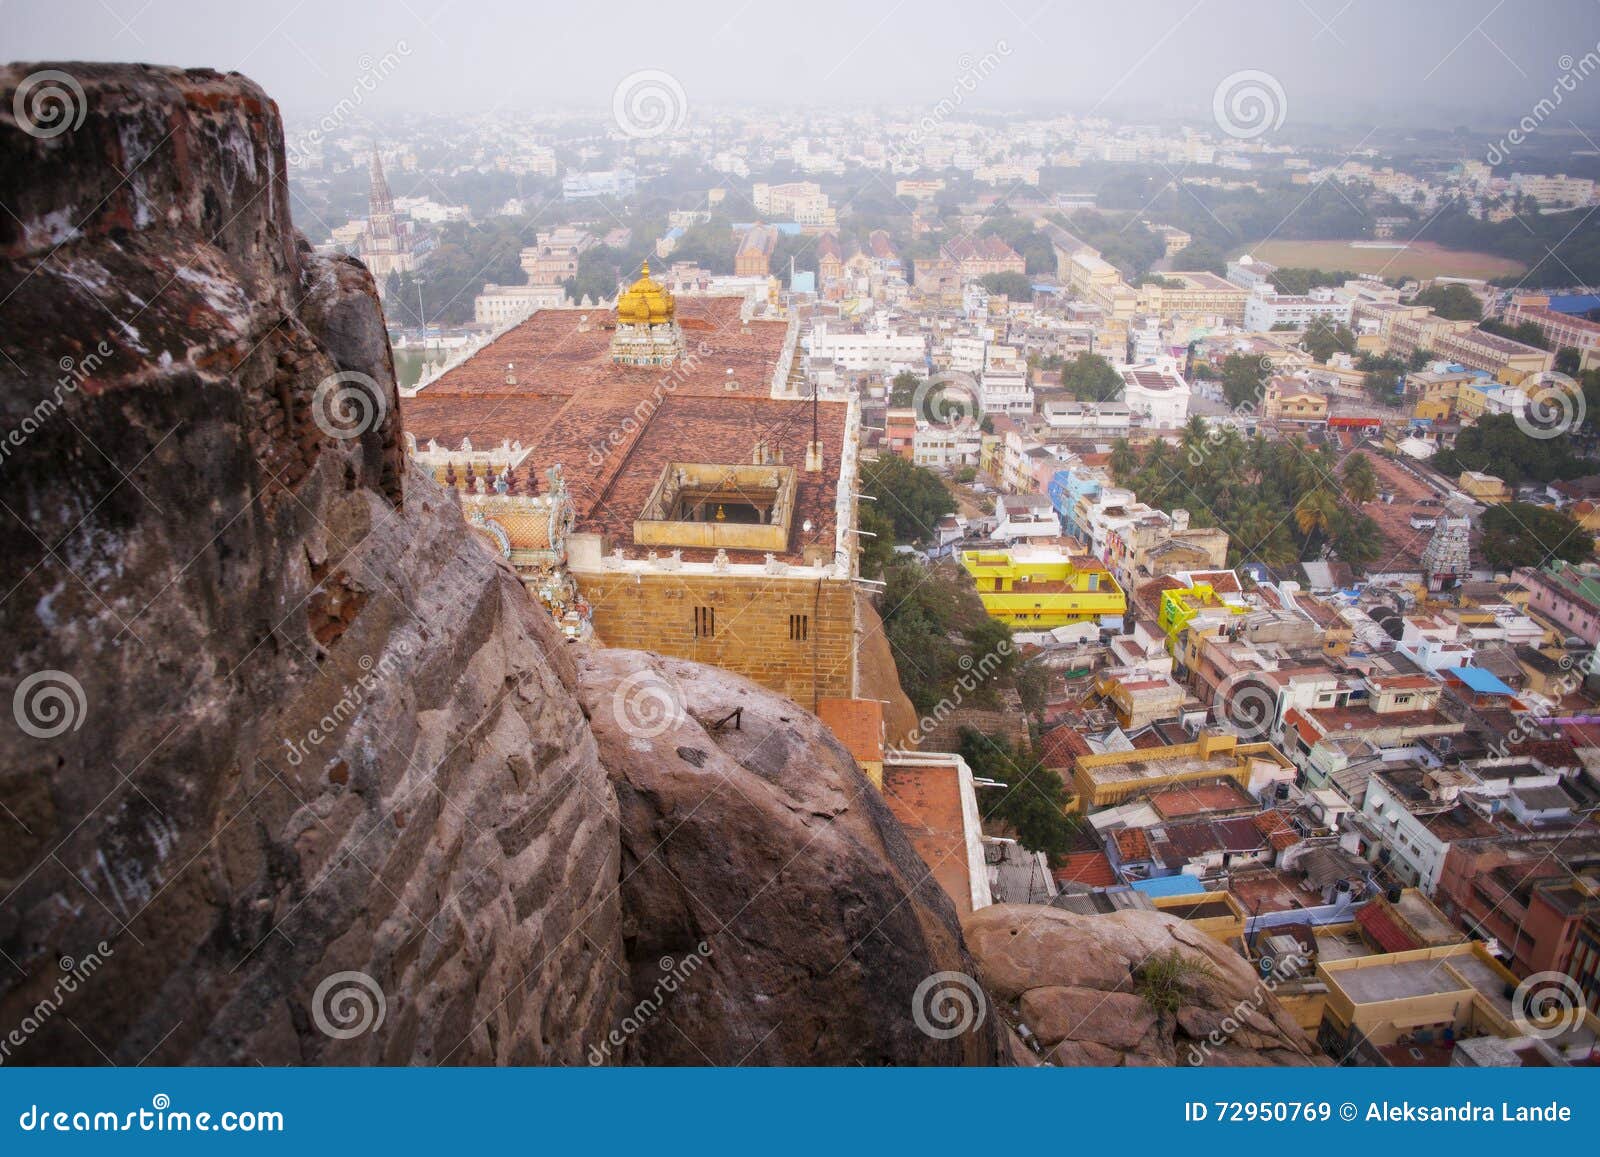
(657, 483)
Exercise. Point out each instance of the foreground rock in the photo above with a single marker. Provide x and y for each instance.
(757, 844)
(1090, 989)
(312, 729)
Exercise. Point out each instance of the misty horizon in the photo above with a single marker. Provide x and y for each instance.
(1359, 65)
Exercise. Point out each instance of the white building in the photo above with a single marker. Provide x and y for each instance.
(1004, 388)
(872, 351)
(1159, 394)
(1020, 517)
(1264, 310)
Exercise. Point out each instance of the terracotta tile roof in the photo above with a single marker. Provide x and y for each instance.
(858, 724)
(1133, 846)
(1058, 747)
(1381, 927)
(614, 429)
(1086, 868)
(1192, 799)
(1276, 827)
(927, 802)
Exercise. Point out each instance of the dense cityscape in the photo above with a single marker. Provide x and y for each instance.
(688, 582)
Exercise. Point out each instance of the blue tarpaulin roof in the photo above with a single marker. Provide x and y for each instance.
(1574, 302)
(1481, 681)
(1169, 886)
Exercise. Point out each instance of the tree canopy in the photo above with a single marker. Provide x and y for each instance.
(1520, 534)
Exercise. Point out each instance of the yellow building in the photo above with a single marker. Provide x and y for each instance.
(1421, 1006)
(1181, 606)
(1484, 487)
(1285, 401)
(1032, 589)
(1112, 777)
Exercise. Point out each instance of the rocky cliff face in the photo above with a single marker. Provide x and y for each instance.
(750, 837)
(1130, 988)
(298, 774)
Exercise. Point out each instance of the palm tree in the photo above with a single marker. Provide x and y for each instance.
(1124, 461)
(1356, 538)
(1360, 480)
(1315, 512)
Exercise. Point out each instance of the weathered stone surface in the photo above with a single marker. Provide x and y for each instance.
(320, 729)
(1073, 980)
(765, 842)
(1117, 1020)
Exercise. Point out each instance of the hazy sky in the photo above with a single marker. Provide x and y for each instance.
(1362, 62)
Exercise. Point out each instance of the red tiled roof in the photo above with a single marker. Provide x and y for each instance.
(1133, 846)
(927, 802)
(1381, 927)
(1276, 827)
(1058, 746)
(614, 429)
(856, 723)
(1198, 798)
(1090, 868)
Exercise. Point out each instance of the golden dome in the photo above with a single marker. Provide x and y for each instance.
(645, 302)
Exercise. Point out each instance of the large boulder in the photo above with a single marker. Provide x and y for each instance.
(751, 840)
(1130, 988)
(294, 774)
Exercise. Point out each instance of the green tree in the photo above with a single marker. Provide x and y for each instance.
(1323, 339)
(1360, 479)
(1453, 302)
(1090, 378)
(1124, 461)
(1356, 538)
(1495, 444)
(1381, 386)
(1015, 286)
(1033, 803)
(903, 389)
(912, 498)
(1520, 534)
(1241, 379)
